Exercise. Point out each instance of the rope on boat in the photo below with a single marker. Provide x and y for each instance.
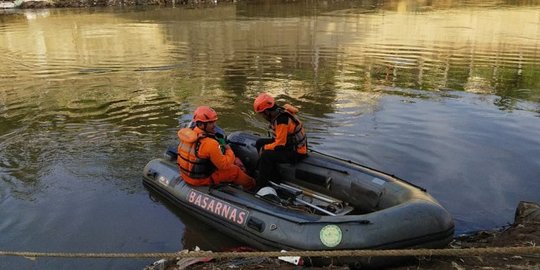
(324, 253)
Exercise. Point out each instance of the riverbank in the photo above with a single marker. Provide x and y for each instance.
(31, 4)
(525, 231)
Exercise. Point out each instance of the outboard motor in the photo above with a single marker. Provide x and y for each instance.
(243, 146)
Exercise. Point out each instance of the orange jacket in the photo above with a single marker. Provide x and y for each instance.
(208, 150)
(286, 128)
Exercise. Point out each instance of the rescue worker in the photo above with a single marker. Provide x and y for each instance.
(289, 143)
(202, 159)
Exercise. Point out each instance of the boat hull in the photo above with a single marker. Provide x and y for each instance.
(389, 213)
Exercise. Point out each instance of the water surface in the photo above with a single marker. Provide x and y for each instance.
(446, 96)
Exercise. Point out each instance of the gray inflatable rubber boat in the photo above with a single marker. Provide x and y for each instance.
(320, 203)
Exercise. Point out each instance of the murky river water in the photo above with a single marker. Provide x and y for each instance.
(444, 95)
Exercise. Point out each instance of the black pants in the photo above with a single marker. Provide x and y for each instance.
(269, 159)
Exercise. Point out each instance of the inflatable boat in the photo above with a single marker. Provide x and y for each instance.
(319, 203)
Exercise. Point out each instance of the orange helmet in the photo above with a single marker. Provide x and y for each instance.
(262, 102)
(204, 114)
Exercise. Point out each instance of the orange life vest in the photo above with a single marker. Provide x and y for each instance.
(188, 160)
(296, 136)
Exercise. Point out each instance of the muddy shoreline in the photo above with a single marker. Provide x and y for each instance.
(524, 232)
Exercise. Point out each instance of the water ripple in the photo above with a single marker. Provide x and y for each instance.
(435, 93)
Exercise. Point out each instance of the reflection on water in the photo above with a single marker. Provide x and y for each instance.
(443, 94)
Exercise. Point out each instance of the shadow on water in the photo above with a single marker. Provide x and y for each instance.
(197, 233)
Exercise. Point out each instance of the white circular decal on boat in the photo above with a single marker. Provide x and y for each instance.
(330, 235)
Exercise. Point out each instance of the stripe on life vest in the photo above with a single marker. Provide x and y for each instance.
(218, 207)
